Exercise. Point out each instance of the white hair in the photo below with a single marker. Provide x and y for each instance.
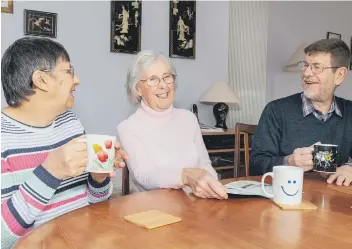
(140, 63)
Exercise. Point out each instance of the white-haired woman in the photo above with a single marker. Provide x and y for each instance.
(164, 144)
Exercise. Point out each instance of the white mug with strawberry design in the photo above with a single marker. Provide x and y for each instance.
(101, 153)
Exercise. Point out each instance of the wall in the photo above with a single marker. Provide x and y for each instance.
(291, 24)
(84, 29)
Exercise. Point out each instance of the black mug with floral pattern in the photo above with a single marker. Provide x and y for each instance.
(325, 158)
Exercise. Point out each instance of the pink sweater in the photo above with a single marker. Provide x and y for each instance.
(160, 145)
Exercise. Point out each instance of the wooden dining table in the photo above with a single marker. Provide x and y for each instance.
(238, 222)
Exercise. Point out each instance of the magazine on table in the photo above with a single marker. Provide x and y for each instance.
(244, 187)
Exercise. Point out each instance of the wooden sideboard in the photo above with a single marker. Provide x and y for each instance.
(221, 149)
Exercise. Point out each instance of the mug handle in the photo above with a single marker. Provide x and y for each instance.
(263, 183)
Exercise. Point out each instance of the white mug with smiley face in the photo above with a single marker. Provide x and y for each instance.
(287, 185)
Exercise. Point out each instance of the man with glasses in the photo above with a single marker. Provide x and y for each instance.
(43, 153)
(289, 126)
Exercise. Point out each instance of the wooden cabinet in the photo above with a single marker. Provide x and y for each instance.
(221, 149)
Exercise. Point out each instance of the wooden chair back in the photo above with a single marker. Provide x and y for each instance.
(125, 181)
(245, 131)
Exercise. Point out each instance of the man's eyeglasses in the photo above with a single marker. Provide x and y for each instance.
(155, 80)
(70, 70)
(316, 68)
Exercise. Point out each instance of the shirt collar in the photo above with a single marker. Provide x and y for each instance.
(308, 107)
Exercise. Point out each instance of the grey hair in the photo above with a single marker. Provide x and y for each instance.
(21, 60)
(140, 63)
(340, 53)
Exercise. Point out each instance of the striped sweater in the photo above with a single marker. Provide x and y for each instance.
(30, 195)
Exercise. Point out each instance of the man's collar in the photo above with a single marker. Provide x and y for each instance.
(308, 107)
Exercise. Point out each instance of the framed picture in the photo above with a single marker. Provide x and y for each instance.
(7, 6)
(126, 17)
(40, 23)
(330, 35)
(182, 42)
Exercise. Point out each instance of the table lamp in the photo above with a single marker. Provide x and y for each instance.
(220, 93)
(299, 55)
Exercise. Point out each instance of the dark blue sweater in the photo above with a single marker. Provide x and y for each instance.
(282, 128)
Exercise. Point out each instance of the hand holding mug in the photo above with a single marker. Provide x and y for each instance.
(120, 156)
(69, 160)
(302, 157)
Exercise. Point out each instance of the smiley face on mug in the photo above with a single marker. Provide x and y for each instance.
(290, 189)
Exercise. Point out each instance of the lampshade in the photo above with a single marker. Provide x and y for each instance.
(299, 55)
(220, 92)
